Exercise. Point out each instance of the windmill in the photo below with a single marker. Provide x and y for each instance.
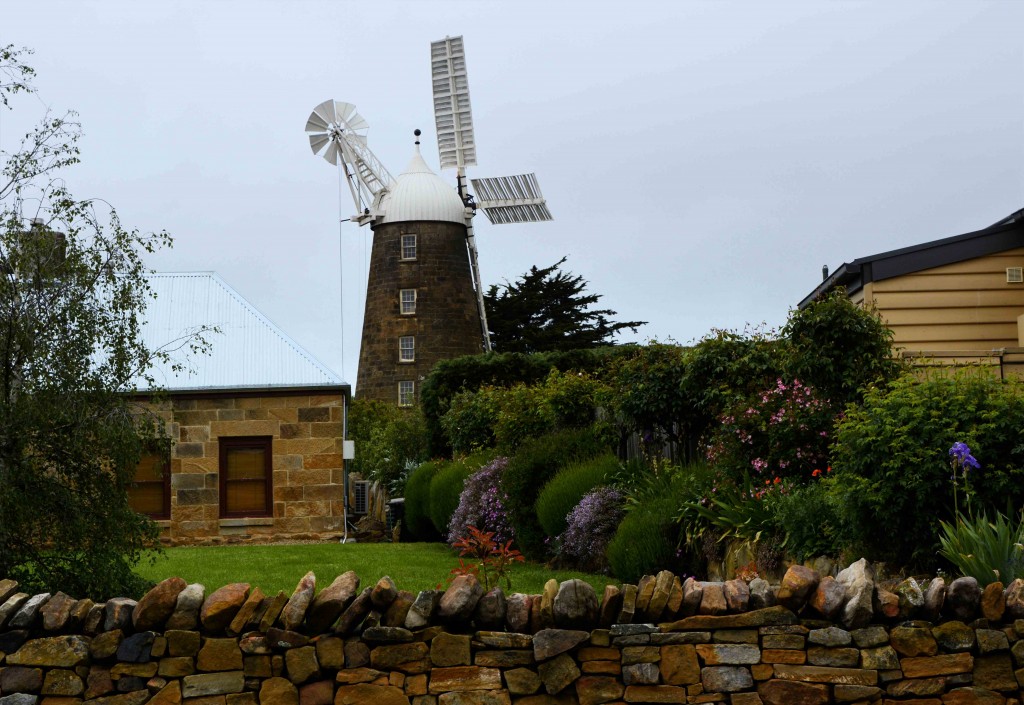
(425, 306)
(504, 199)
(338, 134)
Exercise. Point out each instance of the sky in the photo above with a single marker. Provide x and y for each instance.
(702, 160)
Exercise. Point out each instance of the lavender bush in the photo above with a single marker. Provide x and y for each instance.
(481, 504)
(591, 525)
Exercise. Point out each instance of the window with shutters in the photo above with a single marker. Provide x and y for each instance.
(150, 490)
(246, 480)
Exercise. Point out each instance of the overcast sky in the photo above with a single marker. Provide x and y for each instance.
(702, 160)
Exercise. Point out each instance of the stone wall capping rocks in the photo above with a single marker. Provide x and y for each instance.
(812, 639)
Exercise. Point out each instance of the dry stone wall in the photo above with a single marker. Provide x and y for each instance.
(809, 640)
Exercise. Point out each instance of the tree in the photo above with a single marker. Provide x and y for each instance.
(841, 348)
(72, 290)
(548, 309)
(391, 442)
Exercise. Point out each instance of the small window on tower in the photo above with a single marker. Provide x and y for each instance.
(406, 393)
(406, 348)
(408, 301)
(409, 246)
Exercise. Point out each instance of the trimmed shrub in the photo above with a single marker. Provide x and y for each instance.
(418, 526)
(891, 469)
(567, 488)
(482, 504)
(507, 416)
(573, 397)
(534, 463)
(644, 542)
(446, 488)
(449, 377)
(590, 526)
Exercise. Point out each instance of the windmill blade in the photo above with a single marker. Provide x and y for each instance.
(315, 123)
(453, 116)
(343, 114)
(356, 122)
(331, 155)
(343, 110)
(511, 199)
(326, 111)
(317, 142)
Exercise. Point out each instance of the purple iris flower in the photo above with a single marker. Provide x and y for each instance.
(961, 453)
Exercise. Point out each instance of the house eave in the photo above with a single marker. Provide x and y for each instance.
(269, 390)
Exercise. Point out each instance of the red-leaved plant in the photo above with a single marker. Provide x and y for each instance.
(495, 558)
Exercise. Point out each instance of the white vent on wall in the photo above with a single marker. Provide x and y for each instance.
(1015, 275)
(360, 496)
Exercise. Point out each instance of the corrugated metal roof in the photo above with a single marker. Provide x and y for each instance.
(248, 352)
(419, 194)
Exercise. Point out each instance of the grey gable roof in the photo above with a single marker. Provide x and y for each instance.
(248, 353)
(1004, 235)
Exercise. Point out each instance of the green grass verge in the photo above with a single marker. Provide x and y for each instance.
(413, 566)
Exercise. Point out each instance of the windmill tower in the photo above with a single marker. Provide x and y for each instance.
(424, 299)
(421, 306)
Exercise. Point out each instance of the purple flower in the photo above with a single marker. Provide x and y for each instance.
(961, 455)
(482, 504)
(591, 525)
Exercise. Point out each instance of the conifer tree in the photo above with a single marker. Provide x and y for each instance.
(548, 309)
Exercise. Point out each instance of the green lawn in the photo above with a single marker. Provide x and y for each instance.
(413, 566)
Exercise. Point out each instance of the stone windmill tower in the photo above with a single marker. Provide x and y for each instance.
(424, 300)
(421, 306)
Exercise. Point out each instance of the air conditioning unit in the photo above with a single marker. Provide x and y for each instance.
(360, 496)
(1015, 275)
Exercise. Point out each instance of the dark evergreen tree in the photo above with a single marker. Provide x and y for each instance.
(548, 309)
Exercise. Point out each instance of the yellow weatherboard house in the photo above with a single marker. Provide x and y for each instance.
(956, 300)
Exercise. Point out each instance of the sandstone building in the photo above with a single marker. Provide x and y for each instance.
(255, 430)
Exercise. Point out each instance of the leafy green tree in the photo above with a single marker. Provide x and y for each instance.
(840, 348)
(390, 442)
(548, 309)
(650, 398)
(72, 290)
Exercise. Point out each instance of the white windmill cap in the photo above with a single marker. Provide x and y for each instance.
(419, 194)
